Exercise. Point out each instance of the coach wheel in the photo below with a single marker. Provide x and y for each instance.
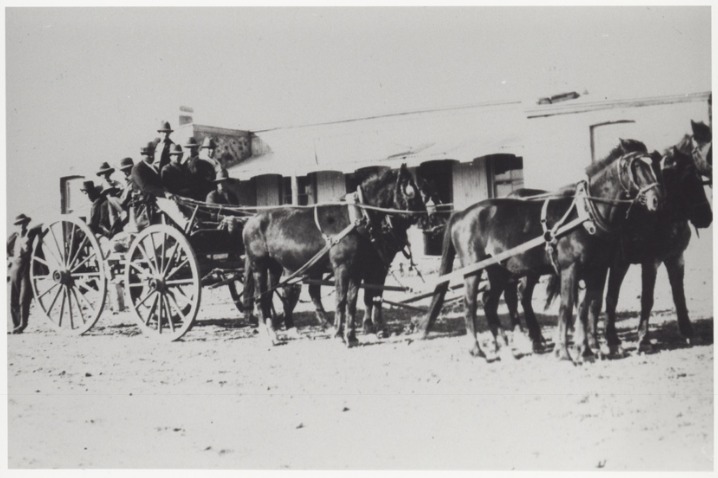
(163, 282)
(68, 275)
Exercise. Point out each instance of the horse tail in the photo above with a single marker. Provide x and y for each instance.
(448, 252)
(553, 289)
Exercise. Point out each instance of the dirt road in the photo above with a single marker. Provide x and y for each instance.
(221, 399)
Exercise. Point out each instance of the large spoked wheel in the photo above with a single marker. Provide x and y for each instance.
(163, 282)
(68, 275)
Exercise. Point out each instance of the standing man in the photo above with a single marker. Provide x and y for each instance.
(201, 171)
(112, 190)
(19, 250)
(164, 147)
(175, 176)
(222, 195)
(210, 149)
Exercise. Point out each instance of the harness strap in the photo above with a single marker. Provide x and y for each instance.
(550, 235)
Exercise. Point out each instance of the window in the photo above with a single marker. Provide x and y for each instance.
(508, 174)
(305, 188)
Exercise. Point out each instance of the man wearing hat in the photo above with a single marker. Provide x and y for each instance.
(222, 195)
(201, 172)
(164, 147)
(19, 250)
(112, 190)
(146, 175)
(99, 222)
(131, 198)
(175, 176)
(209, 149)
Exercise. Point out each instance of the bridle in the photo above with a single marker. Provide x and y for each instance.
(625, 167)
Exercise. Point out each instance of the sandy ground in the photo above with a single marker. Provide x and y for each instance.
(222, 399)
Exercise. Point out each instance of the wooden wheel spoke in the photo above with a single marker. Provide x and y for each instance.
(62, 306)
(172, 258)
(152, 309)
(69, 307)
(88, 303)
(147, 258)
(89, 256)
(48, 290)
(54, 299)
(154, 253)
(68, 249)
(169, 313)
(181, 292)
(59, 249)
(79, 307)
(144, 299)
(88, 286)
(139, 269)
(184, 263)
(86, 274)
(162, 256)
(41, 261)
(176, 307)
(76, 255)
(58, 262)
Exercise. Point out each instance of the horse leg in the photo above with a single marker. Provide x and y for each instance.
(248, 293)
(471, 286)
(291, 297)
(273, 277)
(341, 281)
(350, 336)
(512, 303)
(491, 304)
(367, 323)
(568, 290)
(649, 270)
(615, 279)
(263, 303)
(377, 316)
(529, 316)
(595, 282)
(675, 267)
(315, 293)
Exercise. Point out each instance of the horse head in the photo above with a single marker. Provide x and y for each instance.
(625, 175)
(637, 174)
(702, 149)
(684, 187)
(407, 195)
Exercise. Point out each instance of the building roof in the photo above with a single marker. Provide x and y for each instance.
(460, 134)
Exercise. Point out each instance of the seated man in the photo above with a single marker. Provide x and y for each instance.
(175, 175)
(222, 195)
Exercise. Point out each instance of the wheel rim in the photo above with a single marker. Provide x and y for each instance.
(68, 275)
(162, 282)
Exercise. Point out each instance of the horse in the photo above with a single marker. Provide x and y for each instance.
(700, 144)
(625, 177)
(286, 239)
(685, 203)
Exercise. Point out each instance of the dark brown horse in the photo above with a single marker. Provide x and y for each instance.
(625, 178)
(664, 238)
(285, 239)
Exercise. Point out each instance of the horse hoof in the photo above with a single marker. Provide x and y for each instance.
(562, 354)
(292, 333)
(476, 351)
(253, 322)
(351, 341)
(645, 347)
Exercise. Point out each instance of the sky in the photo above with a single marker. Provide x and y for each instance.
(85, 86)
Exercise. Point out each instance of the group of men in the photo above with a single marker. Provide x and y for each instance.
(161, 173)
(120, 208)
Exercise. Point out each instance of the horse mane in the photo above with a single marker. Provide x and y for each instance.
(684, 146)
(380, 184)
(626, 146)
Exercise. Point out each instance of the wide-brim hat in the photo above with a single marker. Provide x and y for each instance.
(87, 186)
(165, 127)
(21, 219)
(176, 150)
(126, 163)
(191, 143)
(221, 176)
(209, 143)
(105, 168)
